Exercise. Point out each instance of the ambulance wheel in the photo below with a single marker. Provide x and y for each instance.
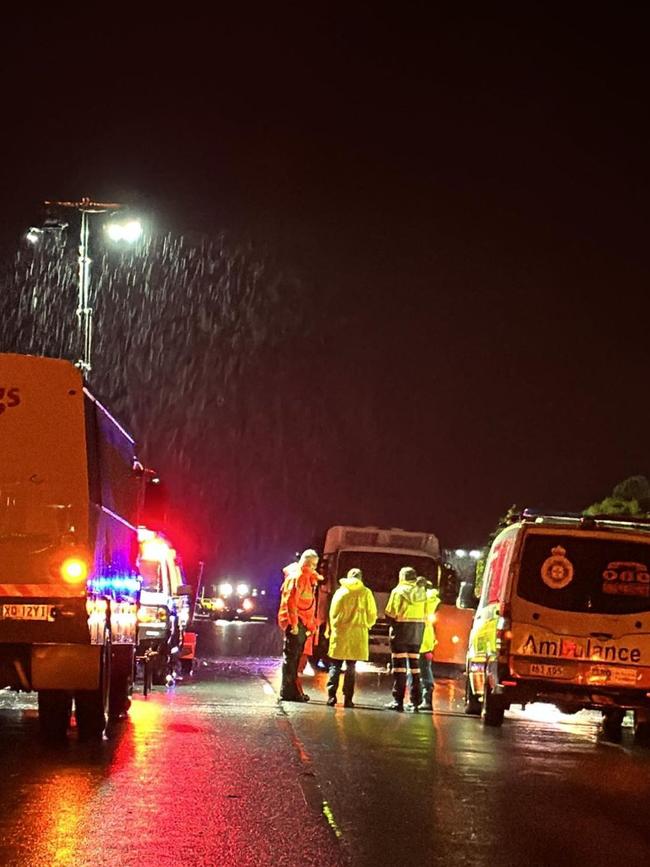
(493, 710)
(612, 722)
(122, 662)
(472, 704)
(54, 710)
(641, 729)
(92, 705)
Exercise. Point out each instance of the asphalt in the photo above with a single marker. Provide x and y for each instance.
(214, 771)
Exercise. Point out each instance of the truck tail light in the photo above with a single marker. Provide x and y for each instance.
(74, 570)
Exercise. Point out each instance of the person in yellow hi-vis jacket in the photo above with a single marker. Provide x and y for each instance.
(405, 611)
(353, 613)
(429, 641)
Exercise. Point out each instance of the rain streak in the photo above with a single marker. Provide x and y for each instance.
(194, 348)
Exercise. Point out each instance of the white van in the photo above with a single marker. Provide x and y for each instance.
(564, 618)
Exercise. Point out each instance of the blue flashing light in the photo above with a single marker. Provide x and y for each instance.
(125, 584)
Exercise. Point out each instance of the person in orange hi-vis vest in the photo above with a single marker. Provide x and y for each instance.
(297, 619)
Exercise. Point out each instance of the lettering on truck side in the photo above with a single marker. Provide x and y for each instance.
(11, 396)
(569, 648)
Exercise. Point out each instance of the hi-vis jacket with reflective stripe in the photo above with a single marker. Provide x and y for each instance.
(406, 610)
(297, 600)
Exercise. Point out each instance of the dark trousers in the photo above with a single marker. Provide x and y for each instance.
(426, 676)
(405, 659)
(348, 678)
(291, 653)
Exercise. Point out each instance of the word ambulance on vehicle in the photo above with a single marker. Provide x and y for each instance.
(564, 618)
(69, 586)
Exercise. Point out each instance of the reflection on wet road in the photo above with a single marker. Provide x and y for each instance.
(215, 772)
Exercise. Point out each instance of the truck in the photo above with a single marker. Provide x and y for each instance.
(70, 493)
(165, 609)
(380, 554)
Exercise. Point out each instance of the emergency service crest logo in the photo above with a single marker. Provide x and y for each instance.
(557, 570)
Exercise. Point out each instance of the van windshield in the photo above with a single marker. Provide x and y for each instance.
(381, 569)
(151, 575)
(584, 573)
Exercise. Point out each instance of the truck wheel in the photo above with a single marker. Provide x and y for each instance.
(493, 709)
(612, 721)
(122, 662)
(641, 729)
(472, 704)
(54, 709)
(91, 705)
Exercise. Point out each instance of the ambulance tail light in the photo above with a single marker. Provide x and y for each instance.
(504, 631)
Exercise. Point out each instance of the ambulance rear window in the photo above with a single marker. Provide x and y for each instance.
(585, 574)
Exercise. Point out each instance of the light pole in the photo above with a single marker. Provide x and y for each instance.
(131, 232)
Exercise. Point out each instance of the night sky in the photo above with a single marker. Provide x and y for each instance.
(447, 214)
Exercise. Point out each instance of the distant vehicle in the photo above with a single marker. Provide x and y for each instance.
(165, 608)
(70, 497)
(229, 601)
(380, 554)
(564, 618)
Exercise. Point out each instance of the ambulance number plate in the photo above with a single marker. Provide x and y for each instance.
(9, 611)
(544, 669)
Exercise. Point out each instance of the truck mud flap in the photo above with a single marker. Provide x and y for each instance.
(65, 666)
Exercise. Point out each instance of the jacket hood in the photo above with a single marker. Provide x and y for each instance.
(353, 584)
(411, 591)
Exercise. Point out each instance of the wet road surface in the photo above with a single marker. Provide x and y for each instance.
(214, 772)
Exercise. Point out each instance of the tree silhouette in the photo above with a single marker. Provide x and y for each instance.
(629, 497)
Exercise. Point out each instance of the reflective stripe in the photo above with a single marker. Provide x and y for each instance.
(399, 670)
(33, 590)
(399, 655)
(415, 671)
(403, 619)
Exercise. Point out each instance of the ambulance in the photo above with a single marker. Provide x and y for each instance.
(564, 618)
